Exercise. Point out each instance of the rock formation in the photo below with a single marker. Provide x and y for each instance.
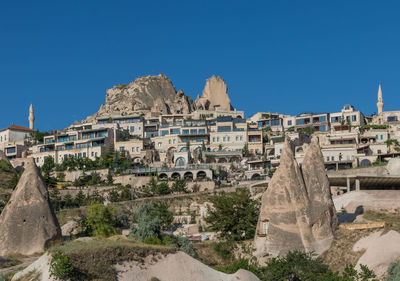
(322, 210)
(214, 96)
(145, 94)
(28, 222)
(297, 211)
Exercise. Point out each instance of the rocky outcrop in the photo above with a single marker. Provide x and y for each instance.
(291, 215)
(177, 267)
(214, 96)
(28, 222)
(322, 212)
(145, 94)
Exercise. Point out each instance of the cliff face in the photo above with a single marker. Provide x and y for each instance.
(145, 94)
(157, 94)
(214, 96)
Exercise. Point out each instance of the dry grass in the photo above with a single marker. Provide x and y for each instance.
(392, 219)
(94, 260)
(341, 251)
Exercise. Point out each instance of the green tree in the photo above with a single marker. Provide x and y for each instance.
(160, 211)
(113, 196)
(245, 150)
(234, 215)
(99, 221)
(163, 188)
(48, 166)
(110, 179)
(309, 130)
(147, 225)
(79, 199)
(179, 185)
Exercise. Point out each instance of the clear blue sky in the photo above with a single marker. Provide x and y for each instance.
(280, 56)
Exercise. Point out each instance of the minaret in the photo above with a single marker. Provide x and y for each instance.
(379, 104)
(31, 118)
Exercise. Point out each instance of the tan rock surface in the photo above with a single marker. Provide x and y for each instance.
(145, 94)
(322, 212)
(297, 206)
(381, 249)
(28, 222)
(215, 95)
(178, 267)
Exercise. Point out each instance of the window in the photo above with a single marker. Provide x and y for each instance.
(229, 138)
(164, 133)
(175, 131)
(381, 137)
(133, 149)
(173, 142)
(213, 139)
(217, 139)
(392, 118)
(265, 227)
(132, 128)
(122, 149)
(354, 118)
(241, 138)
(169, 141)
(185, 132)
(224, 128)
(322, 128)
(159, 144)
(327, 158)
(202, 131)
(84, 154)
(224, 139)
(137, 149)
(237, 138)
(289, 122)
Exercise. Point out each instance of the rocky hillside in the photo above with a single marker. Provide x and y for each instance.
(148, 93)
(158, 94)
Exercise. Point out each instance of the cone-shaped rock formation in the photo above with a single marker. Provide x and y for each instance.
(28, 222)
(296, 210)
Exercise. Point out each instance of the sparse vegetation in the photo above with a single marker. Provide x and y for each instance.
(60, 267)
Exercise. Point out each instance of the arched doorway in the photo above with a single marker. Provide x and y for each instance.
(201, 175)
(188, 176)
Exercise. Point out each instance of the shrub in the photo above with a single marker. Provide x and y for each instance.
(60, 267)
(224, 249)
(186, 246)
(14, 180)
(5, 166)
(99, 221)
(393, 272)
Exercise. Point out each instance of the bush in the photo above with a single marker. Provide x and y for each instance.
(60, 267)
(224, 249)
(186, 246)
(14, 180)
(99, 221)
(393, 272)
(5, 166)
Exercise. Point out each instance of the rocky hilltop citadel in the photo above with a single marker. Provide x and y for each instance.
(157, 94)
